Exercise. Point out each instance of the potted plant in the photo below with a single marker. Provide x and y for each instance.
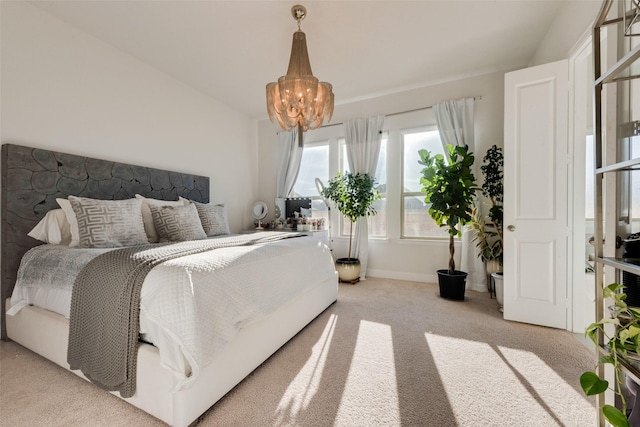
(621, 344)
(488, 230)
(353, 195)
(449, 189)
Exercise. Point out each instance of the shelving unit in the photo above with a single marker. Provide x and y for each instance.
(612, 79)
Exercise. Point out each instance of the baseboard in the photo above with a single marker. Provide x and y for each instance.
(413, 277)
(399, 275)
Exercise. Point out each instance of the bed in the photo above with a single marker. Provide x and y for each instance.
(178, 390)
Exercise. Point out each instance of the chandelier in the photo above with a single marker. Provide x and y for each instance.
(298, 99)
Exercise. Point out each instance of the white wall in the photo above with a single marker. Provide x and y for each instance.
(395, 258)
(573, 20)
(65, 90)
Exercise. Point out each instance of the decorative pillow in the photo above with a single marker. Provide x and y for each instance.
(71, 218)
(213, 218)
(177, 223)
(149, 228)
(109, 223)
(54, 228)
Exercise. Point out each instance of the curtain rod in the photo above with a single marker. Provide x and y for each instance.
(475, 98)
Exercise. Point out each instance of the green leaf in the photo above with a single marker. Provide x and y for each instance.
(615, 416)
(592, 384)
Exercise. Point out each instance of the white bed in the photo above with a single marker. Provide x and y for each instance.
(175, 394)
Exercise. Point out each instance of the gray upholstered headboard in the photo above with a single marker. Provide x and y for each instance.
(33, 178)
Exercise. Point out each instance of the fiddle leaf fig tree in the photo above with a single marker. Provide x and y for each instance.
(449, 188)
(353, 195)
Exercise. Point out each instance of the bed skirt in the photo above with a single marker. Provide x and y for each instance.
(46, 333)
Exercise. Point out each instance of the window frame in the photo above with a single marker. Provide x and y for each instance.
(404, 194)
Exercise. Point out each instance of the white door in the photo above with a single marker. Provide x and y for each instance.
(536, 167)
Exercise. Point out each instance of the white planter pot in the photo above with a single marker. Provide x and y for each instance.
(348, 269)
(499, 284)
(493, 266)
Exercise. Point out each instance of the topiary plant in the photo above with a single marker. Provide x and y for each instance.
(353, 195)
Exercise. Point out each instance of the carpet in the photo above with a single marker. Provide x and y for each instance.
(387, 353)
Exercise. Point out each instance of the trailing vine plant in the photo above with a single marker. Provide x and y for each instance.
(625, 322)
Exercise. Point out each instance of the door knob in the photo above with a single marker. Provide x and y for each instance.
(511, 228)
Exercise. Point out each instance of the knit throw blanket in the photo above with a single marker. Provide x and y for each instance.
(105, 306)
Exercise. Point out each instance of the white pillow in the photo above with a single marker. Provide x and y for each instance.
(149, 228)
(54, 228)
(71, 218)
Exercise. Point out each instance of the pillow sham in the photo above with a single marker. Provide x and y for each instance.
(109, 223)
(213, 218)
(149, 228)
(177, 223)
(54, 228)
(71, 218)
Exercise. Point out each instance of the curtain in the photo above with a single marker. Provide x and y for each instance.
(289, 166)
(455, 125)
(363, 138)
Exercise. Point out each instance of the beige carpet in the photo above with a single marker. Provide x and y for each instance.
(388, 353)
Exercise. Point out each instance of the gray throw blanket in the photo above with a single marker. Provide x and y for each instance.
(105, 306)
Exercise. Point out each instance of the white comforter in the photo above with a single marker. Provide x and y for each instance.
(191, 306)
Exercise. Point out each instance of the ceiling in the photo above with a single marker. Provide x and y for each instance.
(231, 49)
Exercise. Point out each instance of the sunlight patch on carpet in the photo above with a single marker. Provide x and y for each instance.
(305, 385)
(371, 392)
(475, 374)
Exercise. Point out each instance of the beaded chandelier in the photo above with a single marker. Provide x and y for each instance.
(298, 99)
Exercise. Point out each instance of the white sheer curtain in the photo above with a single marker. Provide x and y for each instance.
(363, 138)
(289, 166)
(455, 124)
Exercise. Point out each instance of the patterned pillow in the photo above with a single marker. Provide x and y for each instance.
(177, 223)
(108, 223)
(152, 234)
(213, 218)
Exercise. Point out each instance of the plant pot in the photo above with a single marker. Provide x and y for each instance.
(348, 269)
(499, 285)
(452, 286)
(493, 266)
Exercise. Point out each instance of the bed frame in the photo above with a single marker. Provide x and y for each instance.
(31, 180)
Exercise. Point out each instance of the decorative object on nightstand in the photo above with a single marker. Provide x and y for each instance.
(259, 212)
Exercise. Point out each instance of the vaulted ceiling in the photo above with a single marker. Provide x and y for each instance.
(231, 49)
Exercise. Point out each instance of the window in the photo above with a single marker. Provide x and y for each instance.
(401, 212)
(416, 221)
(314, 164)
(377, 223)
(589, 181)
(635, 181)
